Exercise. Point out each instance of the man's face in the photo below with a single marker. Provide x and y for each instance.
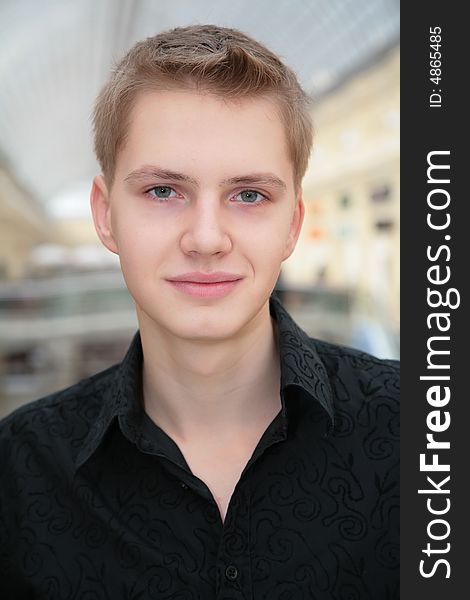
(202, 186)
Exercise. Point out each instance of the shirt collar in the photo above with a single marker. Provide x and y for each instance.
(301, 367)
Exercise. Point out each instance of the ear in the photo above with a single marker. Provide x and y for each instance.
(101, 211)
(296, 225)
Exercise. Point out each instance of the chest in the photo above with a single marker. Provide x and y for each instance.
(220, 469)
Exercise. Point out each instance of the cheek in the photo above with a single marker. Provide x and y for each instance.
(141, 244)
(264, 248)
(268, 235)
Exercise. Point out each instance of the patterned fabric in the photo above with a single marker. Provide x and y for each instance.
(98, 502)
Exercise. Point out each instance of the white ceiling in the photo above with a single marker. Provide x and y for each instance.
(56, 54)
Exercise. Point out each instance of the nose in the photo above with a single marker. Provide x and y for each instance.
(206, 230)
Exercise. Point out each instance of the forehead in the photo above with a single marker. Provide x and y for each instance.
(203, 133)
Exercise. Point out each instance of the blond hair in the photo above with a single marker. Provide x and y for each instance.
(206, 58)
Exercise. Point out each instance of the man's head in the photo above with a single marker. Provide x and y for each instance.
(199, 181)
(205, 58)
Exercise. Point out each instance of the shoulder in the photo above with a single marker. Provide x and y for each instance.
(355, 363)
(363, 394)
(64, 416)
(358, 380)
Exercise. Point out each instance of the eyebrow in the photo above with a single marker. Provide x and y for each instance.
(150, 172)
(153, 172)
(256, 179)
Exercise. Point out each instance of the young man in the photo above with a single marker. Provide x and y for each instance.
(229, 455)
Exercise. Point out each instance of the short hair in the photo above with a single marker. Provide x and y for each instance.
(205, 58)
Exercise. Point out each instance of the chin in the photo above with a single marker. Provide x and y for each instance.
(206, 328)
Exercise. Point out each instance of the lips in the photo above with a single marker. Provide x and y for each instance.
(199, 277)
(206, 285)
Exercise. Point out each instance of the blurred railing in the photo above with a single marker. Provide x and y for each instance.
(56, 330)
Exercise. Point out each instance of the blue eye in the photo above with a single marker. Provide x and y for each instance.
(251, 197)
(161, 191)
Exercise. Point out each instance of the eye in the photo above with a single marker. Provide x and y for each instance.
(251, 197)
(162, 192)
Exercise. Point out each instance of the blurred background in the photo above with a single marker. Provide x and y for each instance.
(64, 310)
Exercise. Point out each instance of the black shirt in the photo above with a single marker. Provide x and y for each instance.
(98, 502)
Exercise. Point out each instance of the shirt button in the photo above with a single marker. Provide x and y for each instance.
(231, 572)
(183, 485)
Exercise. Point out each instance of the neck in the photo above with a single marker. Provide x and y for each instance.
(224, 388)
